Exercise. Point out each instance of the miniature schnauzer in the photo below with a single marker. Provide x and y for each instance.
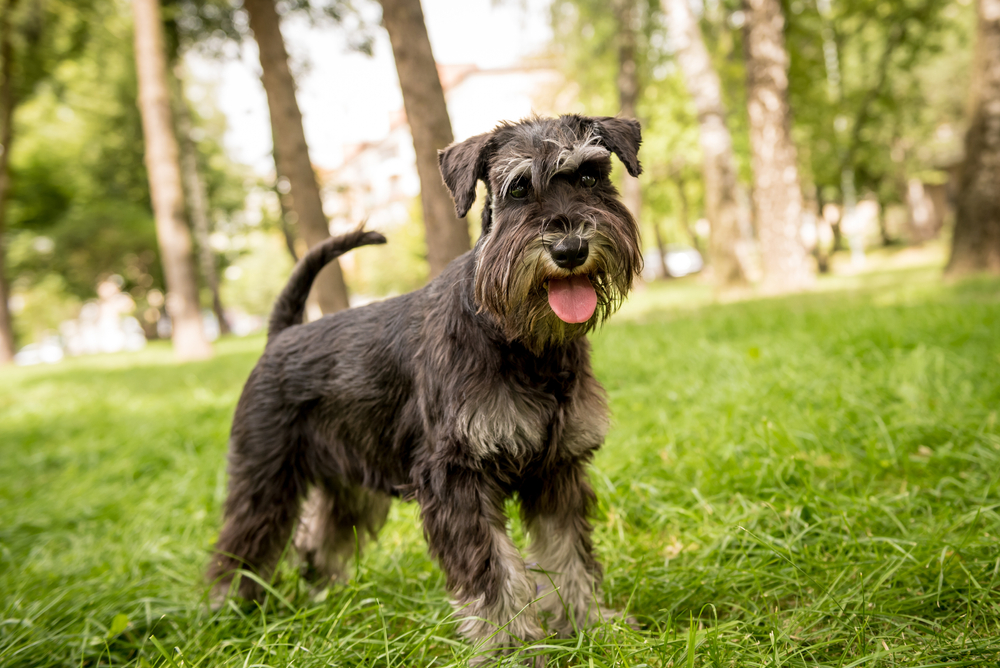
(460, 395)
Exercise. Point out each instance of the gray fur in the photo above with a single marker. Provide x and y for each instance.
(459, 396)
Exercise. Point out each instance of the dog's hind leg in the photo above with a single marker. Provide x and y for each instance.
(260, 512)
(335, 522)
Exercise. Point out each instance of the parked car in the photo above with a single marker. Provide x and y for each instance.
(681, 261)
(46, 352)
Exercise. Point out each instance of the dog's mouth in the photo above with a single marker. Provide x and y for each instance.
(573, 298)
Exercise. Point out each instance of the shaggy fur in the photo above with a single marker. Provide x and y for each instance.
(459, 395)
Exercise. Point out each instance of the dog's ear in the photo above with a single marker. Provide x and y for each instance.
(622, 137)
(462, 164)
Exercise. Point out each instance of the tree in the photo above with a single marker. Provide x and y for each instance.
(872, 83)
(629, 88)
(777, 196)
(291, 153)
(618, 64)
(427, 115)
(719, 165)
(6, 139)
(976, 244)
(197, 199)
(34, 39)
(162, 164)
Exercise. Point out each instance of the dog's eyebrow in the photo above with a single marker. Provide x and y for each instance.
(569, 159)
(517, 167)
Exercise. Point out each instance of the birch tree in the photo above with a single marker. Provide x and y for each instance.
(718, 163)
(291, 153)
(163, 166)
(7, 103)
(976, 244)
(777, 195)
(427, 114)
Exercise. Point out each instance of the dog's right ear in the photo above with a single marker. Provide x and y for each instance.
(622, 137)
(462, 165)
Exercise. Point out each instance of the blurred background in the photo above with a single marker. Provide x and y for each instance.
(164, 162)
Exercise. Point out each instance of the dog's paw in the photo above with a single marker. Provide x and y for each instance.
(616, 616)
(508, 658)
(566, 625)
(508, 646)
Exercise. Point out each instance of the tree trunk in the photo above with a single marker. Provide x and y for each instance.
(7, 102)
(427, 114)
(197, 200)
(628, 93)
(685, 213)
(172, 233)
(291, 154)
(661, 251)
(976, 244)
(777, 196)
(281, 189)
(286, 227)
(719, 166)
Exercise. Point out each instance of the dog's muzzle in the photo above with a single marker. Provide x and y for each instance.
(569, 252)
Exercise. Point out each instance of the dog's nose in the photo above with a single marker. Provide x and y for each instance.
(569, 252)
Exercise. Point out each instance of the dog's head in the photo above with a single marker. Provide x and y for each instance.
(558, 251)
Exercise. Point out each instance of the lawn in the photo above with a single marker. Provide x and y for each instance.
(808, 480)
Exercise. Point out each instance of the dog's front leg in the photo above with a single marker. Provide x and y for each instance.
(555, 513)
(465, 526)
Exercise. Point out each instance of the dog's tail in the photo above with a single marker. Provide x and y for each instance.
(291, 302)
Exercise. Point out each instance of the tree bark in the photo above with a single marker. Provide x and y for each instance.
(7, 103)
(976, 243)
(197, 200)
(718, 166)
(427, 114)
(661, 251)
(677, 176)
(281, 189)
(163, 166)
(628, 94)
(291, 153)
(777, 195)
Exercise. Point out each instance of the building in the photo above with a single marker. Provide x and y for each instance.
(377, 181)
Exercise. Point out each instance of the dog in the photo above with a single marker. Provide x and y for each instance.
(471, 390)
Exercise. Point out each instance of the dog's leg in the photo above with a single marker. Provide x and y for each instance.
(567, 574)
(336, 522)
(260, 513)
(465, 526)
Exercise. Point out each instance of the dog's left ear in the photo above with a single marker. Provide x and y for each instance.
(622, 137)
(462, 164)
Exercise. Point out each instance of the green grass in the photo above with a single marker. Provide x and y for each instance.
(809, 480)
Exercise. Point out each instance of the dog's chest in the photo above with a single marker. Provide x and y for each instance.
(519, 422)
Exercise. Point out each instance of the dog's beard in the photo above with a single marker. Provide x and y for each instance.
(513, 269)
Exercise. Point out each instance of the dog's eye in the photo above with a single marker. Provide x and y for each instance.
(519, 190)
(588, 180)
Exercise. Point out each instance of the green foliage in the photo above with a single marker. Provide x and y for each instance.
(259, 270)
(399, 266)
(876, 87)
(80, 208)
(587, 37)
(45, 33)
(879, 102)
(806, 481)
(210, 25)
(44, 305)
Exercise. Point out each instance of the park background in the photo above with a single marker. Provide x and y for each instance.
(803, 464)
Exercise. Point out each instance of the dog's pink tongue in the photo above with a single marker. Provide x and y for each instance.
(572, 299)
